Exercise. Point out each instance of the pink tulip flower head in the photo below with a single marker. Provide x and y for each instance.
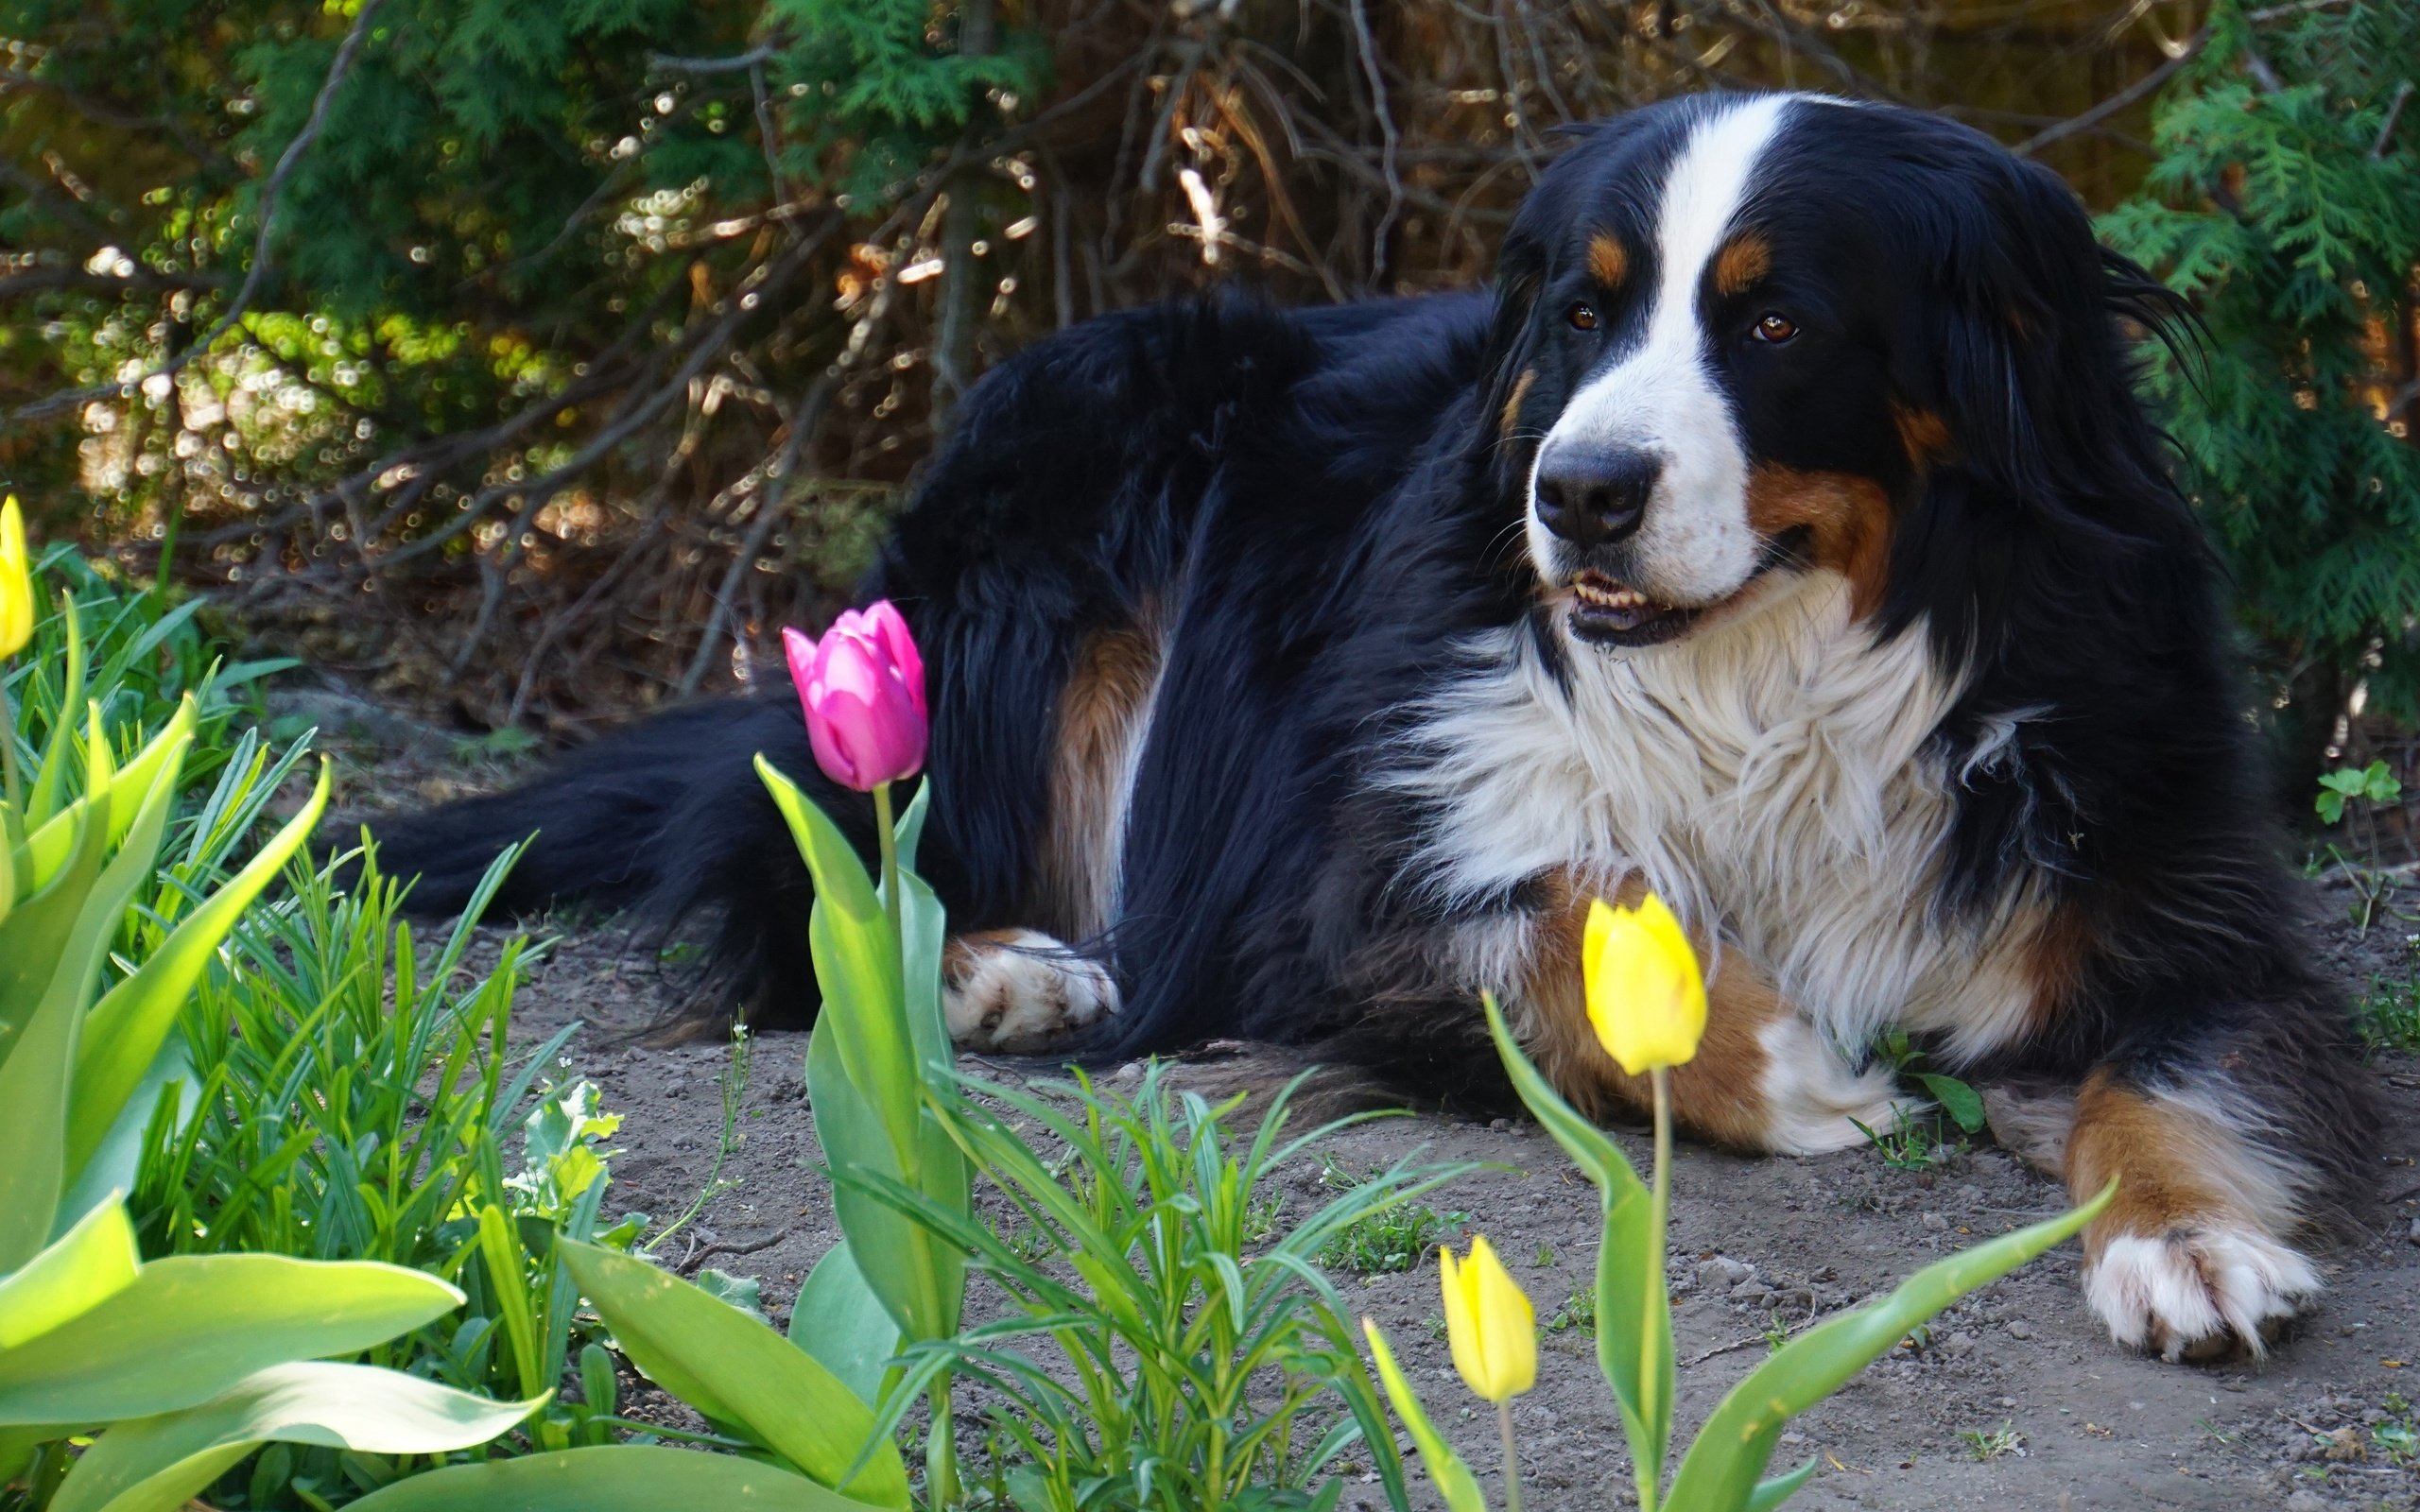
(863, 689)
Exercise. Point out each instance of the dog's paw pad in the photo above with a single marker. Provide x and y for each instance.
(2198, 1293)
(1018, 991)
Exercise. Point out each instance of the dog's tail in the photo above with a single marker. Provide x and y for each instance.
(666, 819)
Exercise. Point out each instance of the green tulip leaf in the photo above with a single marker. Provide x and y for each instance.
(612, 1478)
(1720, 1471)
(191, 1326)
(920, 1282)
(736, 1370)
(839, 1320)
(1452, 1477)
(1772, 1493)
(856, 965)
(89, 1265)
(158, 1464)
(126, 1027)
(1634, 1311)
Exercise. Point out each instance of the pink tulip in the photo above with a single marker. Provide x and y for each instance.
(863, 689)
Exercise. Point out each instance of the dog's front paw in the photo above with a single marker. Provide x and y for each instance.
(1019, 991)
(2198, 1290)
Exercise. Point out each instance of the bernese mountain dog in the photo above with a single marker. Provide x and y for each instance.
(1782, 533)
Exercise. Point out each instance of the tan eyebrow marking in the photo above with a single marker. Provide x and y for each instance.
(1607, 260)
(1747, 258)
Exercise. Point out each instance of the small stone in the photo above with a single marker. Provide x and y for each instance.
(2415, 1231)
(2306, 1501)
(1959, 1344)
(2020, 1330)
(1721, 1273)
(1935, 1223)
(1752, 1291)
(1501, 1125)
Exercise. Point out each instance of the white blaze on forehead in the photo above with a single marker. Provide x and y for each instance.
(1695, 544)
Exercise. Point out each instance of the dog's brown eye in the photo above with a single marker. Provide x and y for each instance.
(1583, 318)
(1775, 327)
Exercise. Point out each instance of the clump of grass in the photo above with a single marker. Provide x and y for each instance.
(1387, 1240)
(1918, 1143)
(1989, 1444)
(2387, 1015)
(1578, 1310)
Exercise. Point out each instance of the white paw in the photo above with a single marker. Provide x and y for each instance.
(1814, 1101)
(1019, 991)
(2197, 1291)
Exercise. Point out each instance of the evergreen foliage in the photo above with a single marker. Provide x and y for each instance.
(2286, 202)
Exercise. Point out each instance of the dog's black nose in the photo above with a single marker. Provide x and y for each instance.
(1591, 498)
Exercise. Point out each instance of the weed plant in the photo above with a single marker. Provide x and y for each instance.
(1190, 1339)
(1391, 1239)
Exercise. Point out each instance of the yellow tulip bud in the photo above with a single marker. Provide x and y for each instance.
(1490, 1324)
(16, 581)
(1645, 997)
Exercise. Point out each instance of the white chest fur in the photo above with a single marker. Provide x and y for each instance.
(1773, 779)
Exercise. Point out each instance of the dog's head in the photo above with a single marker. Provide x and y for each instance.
(1744, 339)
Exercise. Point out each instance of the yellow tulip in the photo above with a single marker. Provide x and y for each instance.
(1489, 1323)
(1645, 997)
(16, 581)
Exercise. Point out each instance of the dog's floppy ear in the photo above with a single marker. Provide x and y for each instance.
(2028, 365)
(2015, 380)
(1520, 276)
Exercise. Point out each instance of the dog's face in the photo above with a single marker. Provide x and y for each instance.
(1731, 332)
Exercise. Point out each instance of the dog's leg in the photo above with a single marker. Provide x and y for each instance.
(1763, 1079)
(1019, 991)
(2225, 1135)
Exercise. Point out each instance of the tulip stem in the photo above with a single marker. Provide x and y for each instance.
(1512, 1467)
(889, 840)
(1653, 1326)
(11, 787)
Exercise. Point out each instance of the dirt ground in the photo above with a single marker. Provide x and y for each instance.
(2016, 1400)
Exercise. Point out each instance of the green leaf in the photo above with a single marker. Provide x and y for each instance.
(89, 1265)
(613, 1478)
(157, 1464)
(1960, 1101)
(125, 1030)
(1452, 1477)
(1634, 1311)
(1772, 1493)
(839, 1320)
(736, 1370)
(1720, 1471)
(193, 1325)
(857, 967)
(921, 1283)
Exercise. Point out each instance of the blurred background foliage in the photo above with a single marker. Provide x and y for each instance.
(531, 362)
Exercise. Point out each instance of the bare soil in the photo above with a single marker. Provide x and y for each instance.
(2015, 1400)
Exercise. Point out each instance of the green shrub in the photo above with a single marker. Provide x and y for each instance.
(2286, 202)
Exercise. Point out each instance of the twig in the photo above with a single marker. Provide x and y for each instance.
(346, 52)
(698, 1257)
(2194, 47)
(2394, 116)
(1369, 49)
(738, 64)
